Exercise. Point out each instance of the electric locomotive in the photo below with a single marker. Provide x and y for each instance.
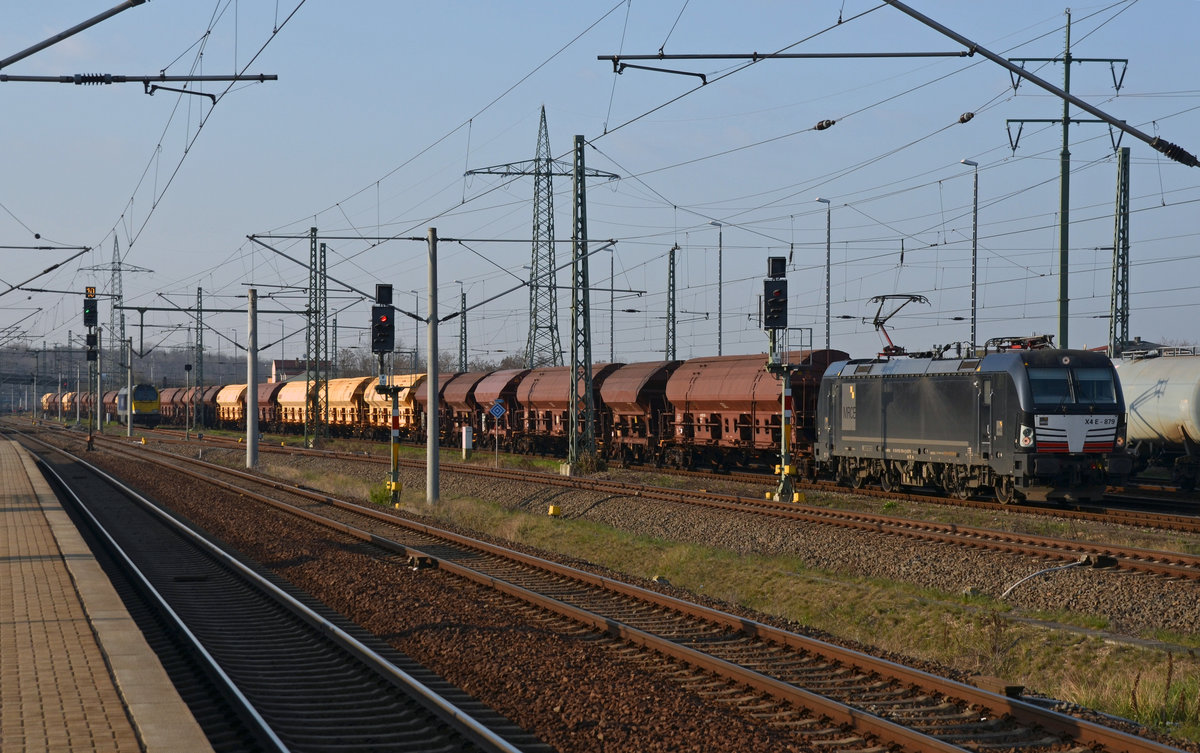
(145, 405)
(1037, 424)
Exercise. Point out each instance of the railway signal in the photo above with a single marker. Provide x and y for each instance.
(383, 330)
(775, 304)
(89, 307)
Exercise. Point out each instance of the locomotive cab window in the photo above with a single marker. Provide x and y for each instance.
(1080, 386)
(1094, 385)
(1050, 386)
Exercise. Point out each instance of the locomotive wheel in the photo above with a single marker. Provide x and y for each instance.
(889, 480)
(955, 484)
(1005, 493)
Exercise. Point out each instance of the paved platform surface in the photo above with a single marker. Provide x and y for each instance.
(75, 672)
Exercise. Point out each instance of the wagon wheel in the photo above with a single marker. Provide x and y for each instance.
(1186, 480)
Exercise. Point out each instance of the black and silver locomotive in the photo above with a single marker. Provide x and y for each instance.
(1038, 424)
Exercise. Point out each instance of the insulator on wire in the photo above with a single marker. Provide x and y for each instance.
(823, 125)
(965, 117)
(93, 79)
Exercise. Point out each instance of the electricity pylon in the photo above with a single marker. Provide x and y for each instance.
(544, 346)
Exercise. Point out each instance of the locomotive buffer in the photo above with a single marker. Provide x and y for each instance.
(774, 321)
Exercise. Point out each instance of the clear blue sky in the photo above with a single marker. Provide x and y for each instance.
(380, 107)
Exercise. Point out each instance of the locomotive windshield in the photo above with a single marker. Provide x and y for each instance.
(1094, 385)
(1063, 386)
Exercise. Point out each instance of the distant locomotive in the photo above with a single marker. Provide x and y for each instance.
(1162, 392)
(1037, 424)
(145, 405)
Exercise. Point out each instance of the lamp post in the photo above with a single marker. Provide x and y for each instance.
(462, 327)
(828, 225)
(720, 252)
(974, 243)
(416, 327)
(612, 310)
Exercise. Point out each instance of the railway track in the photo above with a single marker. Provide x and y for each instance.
(1129, 505)
(295, 677)
(1067, 551)
(843, 699)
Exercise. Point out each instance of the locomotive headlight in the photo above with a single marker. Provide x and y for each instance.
(1027, 436)
(1120, 441)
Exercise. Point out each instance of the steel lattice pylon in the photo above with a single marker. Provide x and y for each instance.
(583, 426)
(116, 322)
(198, 394)
(544, 346)
(317, 368)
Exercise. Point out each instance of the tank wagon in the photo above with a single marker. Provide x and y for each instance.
(1042, 424)
(1162, 397)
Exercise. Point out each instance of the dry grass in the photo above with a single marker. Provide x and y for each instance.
(972, 634)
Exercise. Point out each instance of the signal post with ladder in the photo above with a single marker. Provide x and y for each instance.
(383, 340)
(774, 321)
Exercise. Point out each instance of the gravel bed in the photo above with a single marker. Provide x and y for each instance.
(561, 702)
(566, 688)
(1132, 603)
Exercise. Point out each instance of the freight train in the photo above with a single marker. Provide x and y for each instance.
(1017, 423)
(113, 403)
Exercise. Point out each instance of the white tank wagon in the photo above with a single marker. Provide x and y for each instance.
(1162, 398)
